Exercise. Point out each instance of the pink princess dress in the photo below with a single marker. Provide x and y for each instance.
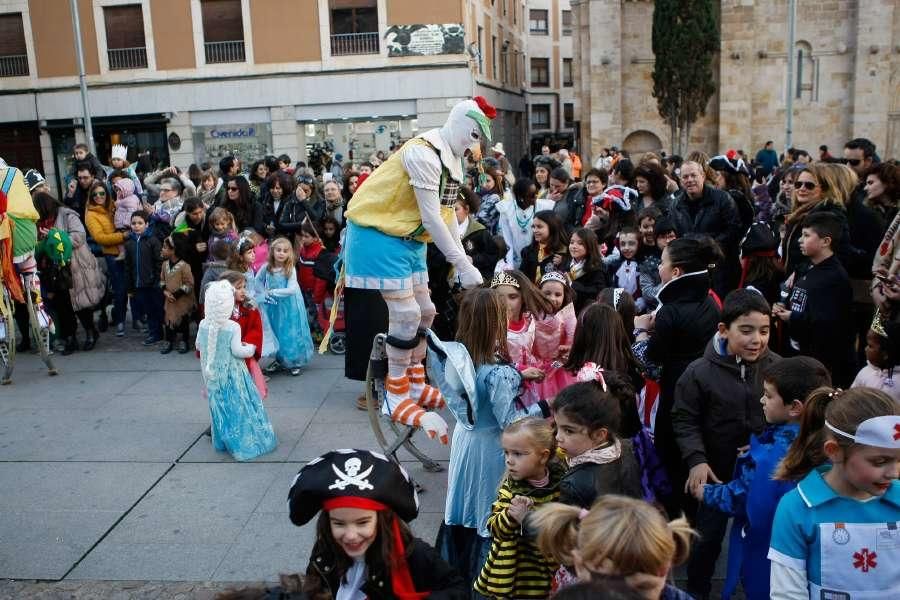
(535, 342)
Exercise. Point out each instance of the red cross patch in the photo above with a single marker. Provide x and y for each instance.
(864, 560)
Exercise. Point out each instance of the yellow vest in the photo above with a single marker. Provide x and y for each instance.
(387, 202)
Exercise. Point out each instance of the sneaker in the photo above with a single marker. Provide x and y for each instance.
(120, 330)
(151, 340)
(295, 371)
(273, 368)
(182, 347)
(167, 347)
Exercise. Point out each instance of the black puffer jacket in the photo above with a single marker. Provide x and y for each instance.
(430, 573)
(143, 262)
(717, 407)
(584, 483)
(572, 206)
(796, 262)
(588, 285)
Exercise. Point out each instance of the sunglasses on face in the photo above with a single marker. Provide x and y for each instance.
(98, 194)
(853, 162)
(232, 189)
(809, 185)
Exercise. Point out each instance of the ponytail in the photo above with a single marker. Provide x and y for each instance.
(806, 451)
(557, 526)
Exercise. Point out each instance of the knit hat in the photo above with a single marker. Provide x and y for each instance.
(33, 178)
(351, 478)
(119, 151)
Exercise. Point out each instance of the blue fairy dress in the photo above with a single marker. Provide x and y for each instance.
(240, 424)
(281, 302)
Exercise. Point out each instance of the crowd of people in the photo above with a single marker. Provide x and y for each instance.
(665, 344)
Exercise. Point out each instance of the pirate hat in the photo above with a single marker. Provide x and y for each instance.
(352, 478)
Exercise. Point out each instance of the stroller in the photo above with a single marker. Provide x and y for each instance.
(324, 269)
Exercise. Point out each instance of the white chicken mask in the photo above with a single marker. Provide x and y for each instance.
(469, 127)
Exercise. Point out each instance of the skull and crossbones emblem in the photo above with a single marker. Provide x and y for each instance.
(351, 476)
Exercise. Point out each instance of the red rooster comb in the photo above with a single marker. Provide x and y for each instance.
(489, 111)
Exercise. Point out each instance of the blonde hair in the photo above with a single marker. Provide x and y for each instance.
(539, 432)
(291, 260)
(828, 183)
(218, 214)
(841, 180)
(623, 534)
(482, 325)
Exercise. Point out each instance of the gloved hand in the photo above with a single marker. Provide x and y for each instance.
(469, 277)
(434, 426)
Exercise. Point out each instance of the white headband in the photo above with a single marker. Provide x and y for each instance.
(879, 432)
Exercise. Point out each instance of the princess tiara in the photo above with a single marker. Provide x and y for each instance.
(880, 432)
(504, 278)
(555, 276)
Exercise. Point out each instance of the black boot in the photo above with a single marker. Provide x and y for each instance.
(91, 340)
(71, 346)
(167, 347)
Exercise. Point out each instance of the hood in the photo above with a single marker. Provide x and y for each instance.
(450, 369)
(716, 352)
(124, 187)
(473, 226)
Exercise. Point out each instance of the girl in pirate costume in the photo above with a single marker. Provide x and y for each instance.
(403, 205)
(835, 535)
(364, 549)
(239, 421)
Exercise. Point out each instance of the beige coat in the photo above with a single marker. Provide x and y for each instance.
(88, 281)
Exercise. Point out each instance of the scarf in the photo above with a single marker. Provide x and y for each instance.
(601, 456)
(576, 269)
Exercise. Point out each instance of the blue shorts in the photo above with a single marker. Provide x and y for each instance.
(377, 261)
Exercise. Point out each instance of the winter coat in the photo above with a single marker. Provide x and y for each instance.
(88, 281)
(480, 247)
(751, 497)
(866, 228)
(430, 573)
(306, 259)
(794, 260)
(292, 212)
(100, 226)
(178, 280)
(143, 261)
(126, 202)
(717, 407)
(585, 482)
(886, 264)
(587, 285)
(820, 304)
(571, 208)
(714, 214)
(534, 268)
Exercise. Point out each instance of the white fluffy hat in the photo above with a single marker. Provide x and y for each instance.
(119, 151)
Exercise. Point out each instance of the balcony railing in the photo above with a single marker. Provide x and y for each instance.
(14, 65)
(343, 44)
(127, 58)
(224, 52)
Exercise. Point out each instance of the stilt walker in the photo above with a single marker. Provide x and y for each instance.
(407, 202)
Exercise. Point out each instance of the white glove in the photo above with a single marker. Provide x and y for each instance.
(435, 426)
(469, 277)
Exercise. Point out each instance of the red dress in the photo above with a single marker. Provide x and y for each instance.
(250, 322)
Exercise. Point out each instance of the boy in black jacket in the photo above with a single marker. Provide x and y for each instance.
(716, 410)
(143, 262)
(818, 311)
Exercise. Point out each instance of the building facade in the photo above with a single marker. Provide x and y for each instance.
(550, 90)
(845, 85)
(190, 81)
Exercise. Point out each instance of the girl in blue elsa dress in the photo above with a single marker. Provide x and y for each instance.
(240, 424)
(281, 302)
(481, 390)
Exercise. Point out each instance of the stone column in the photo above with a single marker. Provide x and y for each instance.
(737, 64)
(872, 93)
(284, 131)
(180, 123)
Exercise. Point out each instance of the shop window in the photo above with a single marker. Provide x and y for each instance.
(223, 31)
(354, 27)
(567, 22)
(537, 21)
(540, 72)
(125, 45)
(567, 72)
(13, 53)
(540, 116)
(568, 115)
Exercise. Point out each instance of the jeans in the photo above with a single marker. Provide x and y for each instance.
(149, 302)
(116, 272)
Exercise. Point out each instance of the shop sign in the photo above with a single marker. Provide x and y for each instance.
(425, 40)
(246, 141)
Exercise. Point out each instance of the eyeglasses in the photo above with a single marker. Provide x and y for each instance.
(98, 194)
(809, 185)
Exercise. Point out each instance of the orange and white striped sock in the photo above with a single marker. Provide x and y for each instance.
(426, 396)
(403, 410)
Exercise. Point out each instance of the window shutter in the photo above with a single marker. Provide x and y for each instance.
(124, 26)
(12, 35)
(222, 21)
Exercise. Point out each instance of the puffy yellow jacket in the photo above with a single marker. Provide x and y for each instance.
(99, 224)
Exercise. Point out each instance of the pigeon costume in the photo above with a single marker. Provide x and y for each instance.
(368, 480)
(406, 203)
